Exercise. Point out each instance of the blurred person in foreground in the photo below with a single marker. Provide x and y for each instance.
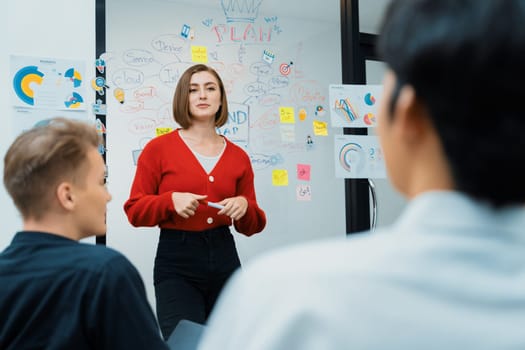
(450, 273)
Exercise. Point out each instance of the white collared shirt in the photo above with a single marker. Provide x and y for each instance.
(449, 274)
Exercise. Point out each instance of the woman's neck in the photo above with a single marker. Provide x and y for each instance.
(203, 141)
(199, 132)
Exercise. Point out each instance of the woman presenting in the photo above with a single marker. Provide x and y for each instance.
(193, 184)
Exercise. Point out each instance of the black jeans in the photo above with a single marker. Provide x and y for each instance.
(190, 270)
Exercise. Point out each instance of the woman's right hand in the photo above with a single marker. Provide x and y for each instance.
(186, 203)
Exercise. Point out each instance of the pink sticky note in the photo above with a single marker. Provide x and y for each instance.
(303, 172)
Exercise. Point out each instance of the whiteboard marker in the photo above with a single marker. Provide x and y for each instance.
(214, 205)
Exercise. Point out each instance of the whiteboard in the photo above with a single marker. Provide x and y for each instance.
(270, 54)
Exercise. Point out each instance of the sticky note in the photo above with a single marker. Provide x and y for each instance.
(199, 54)
(303, 172)
(287, 115)
(162, 131)
(320, 128)
(303, 193)
(280, 177)
(287, 133)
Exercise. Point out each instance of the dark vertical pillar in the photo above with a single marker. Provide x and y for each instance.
(354, 72)
(100, 48)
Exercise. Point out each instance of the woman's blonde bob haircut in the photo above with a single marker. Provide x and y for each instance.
(181, 105)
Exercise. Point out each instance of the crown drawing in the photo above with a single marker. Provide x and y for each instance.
(241, 10)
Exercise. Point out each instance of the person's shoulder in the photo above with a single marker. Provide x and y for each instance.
(161, 140)
(233, 146)
(342, 254)
(98, 257)
(304, 283)
(236, 150)
(97, 250)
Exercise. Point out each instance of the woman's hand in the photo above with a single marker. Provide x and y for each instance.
(234, 207)
(186, 203)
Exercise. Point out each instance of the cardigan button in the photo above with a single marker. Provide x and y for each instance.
(211, 178)
(209, 220)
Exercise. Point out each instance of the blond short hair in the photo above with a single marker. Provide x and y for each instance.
(42, 157)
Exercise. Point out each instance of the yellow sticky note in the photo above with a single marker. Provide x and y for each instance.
(320, 128)
(162, 131)
(199, 54)
(280, 177)
(287, 115)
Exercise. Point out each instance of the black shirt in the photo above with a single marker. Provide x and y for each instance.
(57, 293)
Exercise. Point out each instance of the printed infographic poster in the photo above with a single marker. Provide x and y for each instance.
(358, 157)
(45, 88)
(43, 83)
(354, 106)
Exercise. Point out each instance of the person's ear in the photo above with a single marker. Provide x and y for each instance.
(410, 118)
(65, 195)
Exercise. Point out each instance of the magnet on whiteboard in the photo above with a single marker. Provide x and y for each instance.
(119, 95)
(309, 142)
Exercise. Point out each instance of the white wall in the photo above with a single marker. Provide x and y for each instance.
(9, 222)
(50, 28)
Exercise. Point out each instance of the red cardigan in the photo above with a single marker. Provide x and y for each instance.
(167, 165)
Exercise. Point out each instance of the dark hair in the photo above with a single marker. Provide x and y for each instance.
(42, 157)
(181, 107)
(465, 60)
